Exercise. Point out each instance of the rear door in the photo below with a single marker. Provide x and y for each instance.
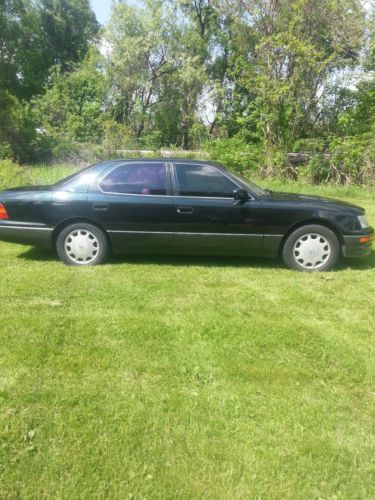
(135, 205)
(208, 220)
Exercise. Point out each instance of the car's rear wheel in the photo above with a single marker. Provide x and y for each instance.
(311, 248)
(82, 244)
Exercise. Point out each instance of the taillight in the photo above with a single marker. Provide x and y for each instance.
(3, 212)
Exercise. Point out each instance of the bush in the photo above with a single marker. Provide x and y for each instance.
(236, 153)
(347, 160)
(116, 137)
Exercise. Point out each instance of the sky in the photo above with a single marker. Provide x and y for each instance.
(102, 9)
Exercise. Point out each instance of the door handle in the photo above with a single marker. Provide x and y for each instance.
(100, 206)
(184, 210)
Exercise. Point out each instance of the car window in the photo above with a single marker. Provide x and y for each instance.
(136, 178)
(203, 180)
(78, 181)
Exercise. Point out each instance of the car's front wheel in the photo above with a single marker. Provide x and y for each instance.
(311, 248)
(82, 244)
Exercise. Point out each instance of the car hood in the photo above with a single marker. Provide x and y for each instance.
(313, 200)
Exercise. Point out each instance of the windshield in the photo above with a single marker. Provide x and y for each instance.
(256, 189)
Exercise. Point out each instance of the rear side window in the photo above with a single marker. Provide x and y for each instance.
(136, 178)
(204, 181)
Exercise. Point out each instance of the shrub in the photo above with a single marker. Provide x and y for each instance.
(348, 159)
(236, 153)
(116, 137)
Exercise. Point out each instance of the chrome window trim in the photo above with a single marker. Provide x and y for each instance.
(136, 194)
(206, 197)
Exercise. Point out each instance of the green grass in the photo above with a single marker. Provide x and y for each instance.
(186, 377)
(346, 191)
(46, 174)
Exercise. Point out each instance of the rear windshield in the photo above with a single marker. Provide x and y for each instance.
(76, 175)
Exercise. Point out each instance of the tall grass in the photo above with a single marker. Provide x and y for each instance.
(344, 191)
(48, 174)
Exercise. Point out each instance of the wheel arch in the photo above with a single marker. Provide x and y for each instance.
(308, 222)
(74, 220)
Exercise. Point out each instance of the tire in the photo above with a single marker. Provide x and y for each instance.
(311, 248)
(82, 244)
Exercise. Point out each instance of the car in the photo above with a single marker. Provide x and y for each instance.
(180, 207)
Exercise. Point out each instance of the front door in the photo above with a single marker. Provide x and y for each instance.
(208, 220)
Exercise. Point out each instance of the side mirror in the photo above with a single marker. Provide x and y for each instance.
(240, 195)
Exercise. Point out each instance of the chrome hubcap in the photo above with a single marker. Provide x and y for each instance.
(81, 246)
(312, 251)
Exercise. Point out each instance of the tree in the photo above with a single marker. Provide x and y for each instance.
(37, 35)
(74, 105)
(141, 55)
(34, 35)
(284, 54)
(157, 66)
(68, 27)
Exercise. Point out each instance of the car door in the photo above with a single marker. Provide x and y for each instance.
(208, 219)
(134, 203)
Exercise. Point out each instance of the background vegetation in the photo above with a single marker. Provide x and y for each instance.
(248, 81)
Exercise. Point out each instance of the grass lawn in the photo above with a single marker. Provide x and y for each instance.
(187, 377)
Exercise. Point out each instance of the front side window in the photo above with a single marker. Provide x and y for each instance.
(136, 178)
(204, 181)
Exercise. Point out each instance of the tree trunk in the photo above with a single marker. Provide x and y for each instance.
(185, 137)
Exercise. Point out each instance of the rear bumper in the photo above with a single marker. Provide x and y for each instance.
(26, 233)
(359, 245)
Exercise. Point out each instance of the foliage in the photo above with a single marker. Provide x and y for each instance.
(285, 54)
(353, 159)
(73, 106)
(141, 42)
(117, 137)
(268, 78)
(35, 35)
(10, 111)
(236, 153)
(11, 174)
(69, 27)
(19, 138)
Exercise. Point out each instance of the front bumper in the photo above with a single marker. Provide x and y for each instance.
(25, 233)
(359, 245)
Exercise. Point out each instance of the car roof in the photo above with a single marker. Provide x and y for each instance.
(171, 160)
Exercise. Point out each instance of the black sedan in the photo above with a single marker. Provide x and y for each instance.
(180, 206)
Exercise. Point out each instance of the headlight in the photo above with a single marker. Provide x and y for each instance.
(362, 219)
